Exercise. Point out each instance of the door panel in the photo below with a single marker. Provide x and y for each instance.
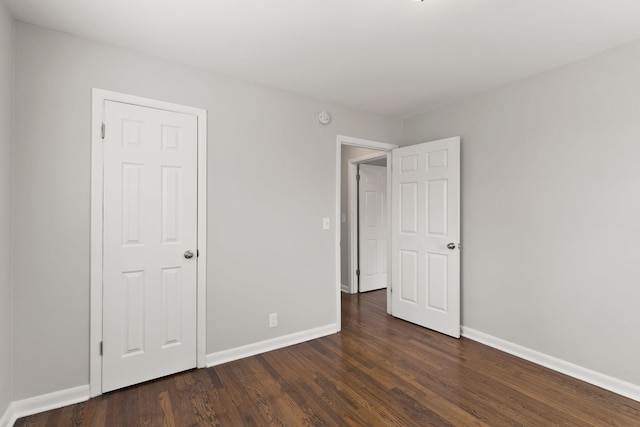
(426, 218)
(150, 200)
(408, 276)
(374, 230)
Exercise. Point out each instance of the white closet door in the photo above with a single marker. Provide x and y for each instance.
(149, 285)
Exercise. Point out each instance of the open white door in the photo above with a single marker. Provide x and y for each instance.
(425, 235)
(373, 227)
(150, 232)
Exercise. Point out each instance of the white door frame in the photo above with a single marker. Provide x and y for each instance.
(352, 197)
(357, 142)
(97, 186)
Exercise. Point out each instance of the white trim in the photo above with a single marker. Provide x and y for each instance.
(95, 330)
(358, 142)
(365, 143)
(201, 333)
(352, 199)
(390, 222)
(97, 114)
(8, 419)
(225, 356)
(615, 385)
(352, 211)
(44, 402)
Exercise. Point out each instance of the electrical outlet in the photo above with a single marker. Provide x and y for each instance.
(273, 320)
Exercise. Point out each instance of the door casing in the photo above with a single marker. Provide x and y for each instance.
(99, 96)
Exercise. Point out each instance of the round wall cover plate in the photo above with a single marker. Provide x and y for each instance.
(324, 117)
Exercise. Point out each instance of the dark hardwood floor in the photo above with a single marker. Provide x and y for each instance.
(379, 371)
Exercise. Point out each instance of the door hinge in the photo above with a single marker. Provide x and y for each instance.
(197, 253)
(101, 348)
(358, 272)
(102, 130)
(358, 177)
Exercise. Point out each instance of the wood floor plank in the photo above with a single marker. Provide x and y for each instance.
(99, 419)
(378, 371)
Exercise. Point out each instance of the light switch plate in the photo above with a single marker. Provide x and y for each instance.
(273, 320)
(326, 223)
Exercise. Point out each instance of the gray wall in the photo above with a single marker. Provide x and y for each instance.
(6, 85)
(271, 180)
(551, 210)
(348, 152)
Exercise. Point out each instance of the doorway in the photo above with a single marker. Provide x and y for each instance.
(364, 250)
(359, 150)
(424, 287)
(148, 235)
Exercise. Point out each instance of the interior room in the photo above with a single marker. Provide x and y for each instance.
(537, 104)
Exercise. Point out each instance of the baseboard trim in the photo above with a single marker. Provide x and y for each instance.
(615, 385)
(225, 356)
(44, 402)
(7, 419)
(345, 288)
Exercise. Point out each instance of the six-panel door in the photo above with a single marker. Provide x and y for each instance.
(150, 201)
(426, 234)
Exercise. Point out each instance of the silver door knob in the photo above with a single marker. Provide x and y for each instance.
(451, 246)
(188, 254)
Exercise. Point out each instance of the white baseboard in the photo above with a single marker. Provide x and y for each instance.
(7, 419)
(225, 356)
(345, 288)
(44, 402)
(632, 391)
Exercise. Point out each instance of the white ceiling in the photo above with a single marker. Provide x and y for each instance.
(392, 57)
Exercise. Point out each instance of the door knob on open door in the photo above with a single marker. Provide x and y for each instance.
(188, 254)
(451, 246)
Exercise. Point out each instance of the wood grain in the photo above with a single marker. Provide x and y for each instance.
(379, 371)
